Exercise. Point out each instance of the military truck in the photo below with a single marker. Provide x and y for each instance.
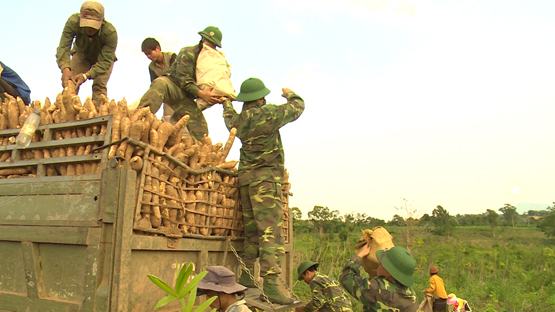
(73, 243)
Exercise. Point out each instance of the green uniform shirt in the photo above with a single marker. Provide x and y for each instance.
(327, 296)
(182, 71)
(261, 157)
(378, 294)
(155, 70)
(99, 49)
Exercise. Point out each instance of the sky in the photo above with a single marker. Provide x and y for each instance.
(423, 102)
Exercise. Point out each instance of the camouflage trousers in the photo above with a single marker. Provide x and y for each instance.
(80, 65)
(262, 215)
(163, 90)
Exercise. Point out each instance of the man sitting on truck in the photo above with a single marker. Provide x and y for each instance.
(261, 171)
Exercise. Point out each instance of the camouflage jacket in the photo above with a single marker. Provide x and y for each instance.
(182, 71)
(327, 296)
(99, 50)
(378, 294)
(261, 157)
(156, 70)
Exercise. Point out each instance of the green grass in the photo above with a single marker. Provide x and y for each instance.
(512, 270)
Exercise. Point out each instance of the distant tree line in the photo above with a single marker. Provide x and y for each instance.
(322, 220)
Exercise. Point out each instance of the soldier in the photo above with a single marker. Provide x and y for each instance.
(261, 171)
(12, 84)
(327, 294)
(87, 49)
(220, 282)
(178, 88)
(390, 289)
(159, 65)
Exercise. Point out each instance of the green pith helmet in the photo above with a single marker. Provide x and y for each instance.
(399, 263)
(305, 266)
(212, 34)
(252, 89)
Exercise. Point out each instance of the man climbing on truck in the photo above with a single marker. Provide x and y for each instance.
(261, 170)
(159, 65)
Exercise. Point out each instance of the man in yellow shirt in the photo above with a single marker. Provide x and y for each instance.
(437, 290)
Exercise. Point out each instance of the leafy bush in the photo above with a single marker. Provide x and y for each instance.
(443, 222)
(185, 289)
(547, 225)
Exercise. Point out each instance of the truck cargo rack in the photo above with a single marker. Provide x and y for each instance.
(48, 142)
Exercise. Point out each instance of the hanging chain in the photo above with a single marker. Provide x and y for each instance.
(245, 269)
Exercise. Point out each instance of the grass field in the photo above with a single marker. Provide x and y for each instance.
(512, 269)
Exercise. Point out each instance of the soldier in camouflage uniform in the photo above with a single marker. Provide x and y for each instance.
(327, 294)
(93, 53)
(178, 87)
(261, 172)
(390, 289)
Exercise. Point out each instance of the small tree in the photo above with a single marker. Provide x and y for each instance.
(425, 219)
(350, 223)
(362, 220)
(296, 213)
(185, 290)
(397, 220)
(492, 218)
(409, 220)
(509, 214)
(443, 222)
(547, 225)
(322, 216)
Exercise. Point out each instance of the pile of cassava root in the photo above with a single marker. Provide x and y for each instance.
(185, 186)
(66, 108)
(138, 124)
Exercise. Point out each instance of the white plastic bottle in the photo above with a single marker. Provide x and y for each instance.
(28, 130)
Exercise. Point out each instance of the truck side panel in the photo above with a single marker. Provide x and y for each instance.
(67, 244)
(49, 241)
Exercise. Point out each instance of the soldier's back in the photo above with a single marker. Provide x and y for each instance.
(384, 295)
(332, 293)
